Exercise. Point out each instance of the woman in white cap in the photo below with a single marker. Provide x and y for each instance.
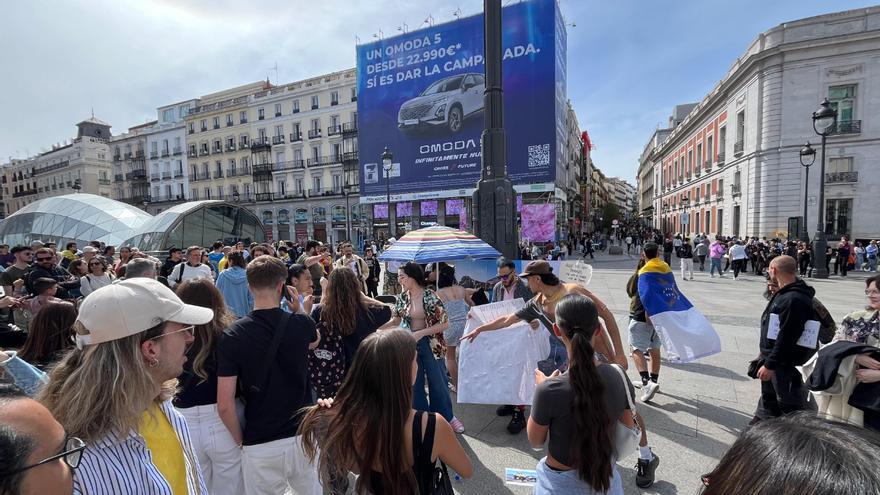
(114, 390)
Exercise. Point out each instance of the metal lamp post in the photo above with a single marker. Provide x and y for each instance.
(236, 197)
(387, 164)
(824, 121)
(807, 157)
(685, 202)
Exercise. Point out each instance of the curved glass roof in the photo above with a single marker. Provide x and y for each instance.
(76, 217)
(197, 223)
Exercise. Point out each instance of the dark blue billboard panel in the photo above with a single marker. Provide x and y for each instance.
(421, 95)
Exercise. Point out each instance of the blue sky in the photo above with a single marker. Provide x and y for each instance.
(629, 61)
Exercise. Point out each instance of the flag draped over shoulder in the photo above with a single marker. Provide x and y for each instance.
(686, 333)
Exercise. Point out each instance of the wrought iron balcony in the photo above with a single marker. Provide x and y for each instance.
(242, 121)
(279, 139)
(841, 177)
(217, 149)
(204, 152)
(178, 174)
(155, 177)
(262, 169)
(314, 133)
(720, 158)
(154, 155)
(738, 148)
(200, 176)
(295, 137)
(165, 154)
(243, 144)
(351, 156)
(176, 151)
(217, 125)
(846, 127)
(334, 130)
(168, 198)
(117, 158)
(104, 182)
(260, 142)
(264, 196)
(192, 154)
(136, 175)
(349, 127)
(230, 146)
(218, 174)
(229, 123)
(118, 178)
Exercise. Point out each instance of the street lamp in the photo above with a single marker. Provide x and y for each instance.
(235, 197)
(824, 121)
(685, 202)
(387, 164)
(807, 157)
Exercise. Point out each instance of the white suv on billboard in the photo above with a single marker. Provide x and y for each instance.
(447, 102)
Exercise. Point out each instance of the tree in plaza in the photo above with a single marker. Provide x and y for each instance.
(609, 213)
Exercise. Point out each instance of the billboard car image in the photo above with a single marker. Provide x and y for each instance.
(446, 103)
(421, 94)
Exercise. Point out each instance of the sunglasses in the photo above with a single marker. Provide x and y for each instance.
(71, 454)
(190, 329)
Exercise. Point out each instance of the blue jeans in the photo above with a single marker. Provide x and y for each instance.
(432, 369)
(557, 359)
(552, 482)
(714, 264)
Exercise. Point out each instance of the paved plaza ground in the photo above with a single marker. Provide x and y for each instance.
(701, 407)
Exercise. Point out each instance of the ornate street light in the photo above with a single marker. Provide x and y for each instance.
(807, 157)
(387, 164)
(824, 122)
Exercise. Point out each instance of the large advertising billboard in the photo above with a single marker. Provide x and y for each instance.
(421, 95)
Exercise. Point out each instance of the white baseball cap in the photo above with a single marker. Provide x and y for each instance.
(89, 249)
(132, 306)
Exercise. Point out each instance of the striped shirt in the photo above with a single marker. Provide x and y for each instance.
(114, 465)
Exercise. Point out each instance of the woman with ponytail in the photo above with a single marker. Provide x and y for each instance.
(578, 410)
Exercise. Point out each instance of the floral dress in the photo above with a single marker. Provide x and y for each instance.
(861, 326)
(435, 314)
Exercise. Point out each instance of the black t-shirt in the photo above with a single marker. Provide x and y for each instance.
(243, 347)
(194, 390)
(366, 324)
(552, 406)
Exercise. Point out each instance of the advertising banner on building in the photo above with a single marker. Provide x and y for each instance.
(421, 95)
(539, 222)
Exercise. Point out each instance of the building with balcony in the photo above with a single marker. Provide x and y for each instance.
(83, 164)
(732, 166)
(131, 181)
(218, 131)
(168, 164)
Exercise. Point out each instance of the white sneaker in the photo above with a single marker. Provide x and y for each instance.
(649, 390)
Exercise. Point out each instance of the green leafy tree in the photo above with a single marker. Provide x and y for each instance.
(609, 213)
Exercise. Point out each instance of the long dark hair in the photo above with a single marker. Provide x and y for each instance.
(804, 454)
(202, 292)
(51, 334)
(342, 301)
(592, 443)
(414, 271)
(366, 425)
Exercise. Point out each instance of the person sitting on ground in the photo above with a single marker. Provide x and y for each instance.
(799, 453)
(372, 430)
(114, 389)
(219, 456)
(344, 318)
(51, 335)
(37, 456)
(97, 277)
(578, 410)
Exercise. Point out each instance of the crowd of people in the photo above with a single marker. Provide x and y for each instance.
(265, 368)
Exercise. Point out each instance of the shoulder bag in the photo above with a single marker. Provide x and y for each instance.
(259, 386)
(626, 439)
(435, 481)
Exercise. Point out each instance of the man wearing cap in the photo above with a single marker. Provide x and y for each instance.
(548, 289)
(113, 391)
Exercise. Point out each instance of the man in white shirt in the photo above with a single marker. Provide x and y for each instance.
(355, 263)
(738, 258)
(193, 268)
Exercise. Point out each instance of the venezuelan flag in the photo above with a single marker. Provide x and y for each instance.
(687, 334)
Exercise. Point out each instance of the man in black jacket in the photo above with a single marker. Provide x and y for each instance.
(784, 342)
(44, 267)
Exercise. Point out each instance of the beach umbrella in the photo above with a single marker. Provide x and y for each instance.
(436, 244)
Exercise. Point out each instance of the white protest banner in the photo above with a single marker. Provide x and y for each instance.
(576, 272)
(498, 367)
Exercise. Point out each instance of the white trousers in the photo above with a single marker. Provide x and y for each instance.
(278, 466)
(219, 456)
(687, 264)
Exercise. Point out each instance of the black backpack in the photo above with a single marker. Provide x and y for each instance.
(327, 363)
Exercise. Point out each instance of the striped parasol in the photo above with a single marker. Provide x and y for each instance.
(436, 244)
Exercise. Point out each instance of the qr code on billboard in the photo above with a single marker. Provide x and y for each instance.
(539, 155)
